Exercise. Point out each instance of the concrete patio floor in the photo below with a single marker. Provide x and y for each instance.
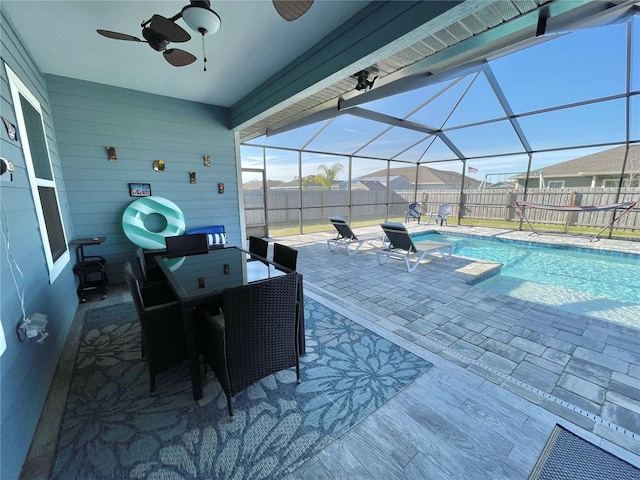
(505, 372)
(489, 350)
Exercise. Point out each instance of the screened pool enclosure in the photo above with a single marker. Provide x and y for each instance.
(556, 121)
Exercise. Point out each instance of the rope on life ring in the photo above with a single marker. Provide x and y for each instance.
(135, 214)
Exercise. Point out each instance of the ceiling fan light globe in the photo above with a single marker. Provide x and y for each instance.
(201, 19)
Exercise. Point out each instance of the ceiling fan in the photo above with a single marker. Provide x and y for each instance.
(159, 31)
(292, 9)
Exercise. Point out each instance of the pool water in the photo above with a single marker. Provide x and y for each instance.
(599, 285)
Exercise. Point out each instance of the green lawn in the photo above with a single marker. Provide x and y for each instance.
(281, 230)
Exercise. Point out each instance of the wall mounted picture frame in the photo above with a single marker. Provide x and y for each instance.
(139, 189)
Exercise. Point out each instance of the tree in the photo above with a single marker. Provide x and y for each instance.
(327, 175)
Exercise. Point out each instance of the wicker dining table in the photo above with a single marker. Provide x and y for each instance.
(198, 280)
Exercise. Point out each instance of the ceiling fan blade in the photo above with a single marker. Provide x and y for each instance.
(118, 35)
(178, 58)
(292, 9)
(168, 29)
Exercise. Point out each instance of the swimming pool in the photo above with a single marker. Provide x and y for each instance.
(601, 285)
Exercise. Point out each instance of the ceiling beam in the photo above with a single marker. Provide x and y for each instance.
(373, 33)
(389, 120)
(561, 16)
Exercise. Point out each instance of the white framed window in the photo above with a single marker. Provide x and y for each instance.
(613, 182)
(40, 172)
(555, 184)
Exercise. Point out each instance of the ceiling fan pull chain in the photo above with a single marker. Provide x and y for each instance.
(204, 54)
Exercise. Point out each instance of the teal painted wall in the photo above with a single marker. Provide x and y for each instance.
(142, 128)
(26, 368)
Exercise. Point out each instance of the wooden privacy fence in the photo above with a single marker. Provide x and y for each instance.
(498, 204)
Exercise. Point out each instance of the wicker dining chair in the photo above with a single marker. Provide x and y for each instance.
(187, 244)
(162, 328)
(255, 335)
(285, 256)
(149, 271)
(258, 246)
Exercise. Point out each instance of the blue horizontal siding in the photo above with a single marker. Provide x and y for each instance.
(142, 128)
(26, 368)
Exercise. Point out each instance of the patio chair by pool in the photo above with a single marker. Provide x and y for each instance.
(414, 212)
(346, 238)
(441, 216)
(401, 246)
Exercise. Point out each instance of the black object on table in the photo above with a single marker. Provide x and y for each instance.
(91, 269)
(199, 280)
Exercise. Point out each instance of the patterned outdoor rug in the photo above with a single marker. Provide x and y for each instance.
(113, 429)
(568, 456)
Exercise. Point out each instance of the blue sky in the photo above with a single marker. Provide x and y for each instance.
(565, 69)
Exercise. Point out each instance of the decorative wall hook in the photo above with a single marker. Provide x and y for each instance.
(158, 165)
(207, 160)
(111, 153)
(11, 130)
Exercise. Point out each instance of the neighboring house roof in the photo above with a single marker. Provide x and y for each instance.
(381, 179)
(257, 184)
(368, 185)
(375, 183)
(508, 185)
(426, 176)
(607, 162)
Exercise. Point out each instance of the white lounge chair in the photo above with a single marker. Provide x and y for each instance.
(441, 215)
(347, 239)
(401, 246)
(414, 212)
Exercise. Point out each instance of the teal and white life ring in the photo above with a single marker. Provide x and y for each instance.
(133, 221)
